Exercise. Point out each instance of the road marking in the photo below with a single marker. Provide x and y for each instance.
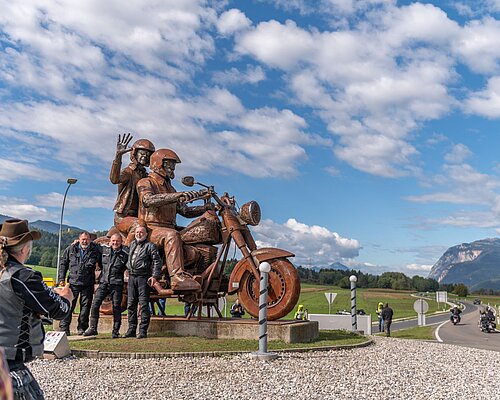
(436, 332)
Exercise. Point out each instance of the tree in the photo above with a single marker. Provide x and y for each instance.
(461, 290)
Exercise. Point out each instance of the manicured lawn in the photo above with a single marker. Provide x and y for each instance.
(418, 332)
(47, 272)
(313, 298)
(172, 343)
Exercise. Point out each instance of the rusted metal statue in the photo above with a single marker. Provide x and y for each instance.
(127, 201)
(159, 204)
(195, 257)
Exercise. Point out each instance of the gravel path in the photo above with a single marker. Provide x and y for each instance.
(390, 369)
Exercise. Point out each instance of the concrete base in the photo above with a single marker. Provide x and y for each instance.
(220, 328)
(264, 356)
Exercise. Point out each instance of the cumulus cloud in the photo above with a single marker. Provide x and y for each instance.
(232, 21)
(485, 102)
(20, 208)
(419, 267)
(458, 154)
(252, 74)
(371, 96)
(308, 242)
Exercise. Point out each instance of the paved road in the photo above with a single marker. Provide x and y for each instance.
(465, 334)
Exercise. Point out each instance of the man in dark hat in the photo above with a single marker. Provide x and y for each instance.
(24, 298)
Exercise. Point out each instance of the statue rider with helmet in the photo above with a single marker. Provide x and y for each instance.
(127, 201)
(159, 204)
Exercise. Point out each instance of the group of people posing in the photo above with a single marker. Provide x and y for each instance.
(141, 259)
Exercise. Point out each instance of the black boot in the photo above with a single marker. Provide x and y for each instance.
(130, 333)
(116, 331)
(92, 329)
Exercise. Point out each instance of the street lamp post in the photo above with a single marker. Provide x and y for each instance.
(70, 182)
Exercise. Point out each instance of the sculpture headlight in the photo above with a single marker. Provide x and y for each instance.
(250, 213)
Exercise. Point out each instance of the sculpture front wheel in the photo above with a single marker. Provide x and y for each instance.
(283, 290)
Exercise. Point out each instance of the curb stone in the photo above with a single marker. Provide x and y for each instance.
(112, 354)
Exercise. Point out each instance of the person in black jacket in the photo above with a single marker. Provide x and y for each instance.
(24, 298)
(144, 268)
(387, 314)
(80, 259)
(114, 264)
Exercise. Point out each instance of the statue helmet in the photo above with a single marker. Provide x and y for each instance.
(156, 160)
(144, 144)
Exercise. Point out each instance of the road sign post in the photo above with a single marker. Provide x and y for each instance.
(441, 297)
(330, 297)
(421, 307)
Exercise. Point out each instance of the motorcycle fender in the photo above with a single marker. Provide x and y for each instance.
(243, 266)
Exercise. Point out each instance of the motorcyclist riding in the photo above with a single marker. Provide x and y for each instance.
(455, 311)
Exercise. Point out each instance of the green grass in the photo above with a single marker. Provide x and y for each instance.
(313, 298)
(172, 343)
(47, 272)
(417, 332)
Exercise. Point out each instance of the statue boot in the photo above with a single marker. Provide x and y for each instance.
(183, 281)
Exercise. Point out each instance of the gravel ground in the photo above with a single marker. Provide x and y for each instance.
(390, 369)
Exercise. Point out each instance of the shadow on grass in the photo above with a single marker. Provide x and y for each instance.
(166, 343)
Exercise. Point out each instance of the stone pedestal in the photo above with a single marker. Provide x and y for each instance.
(221, 328)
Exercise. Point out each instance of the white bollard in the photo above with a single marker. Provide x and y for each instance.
(263, 354)
(354, 317)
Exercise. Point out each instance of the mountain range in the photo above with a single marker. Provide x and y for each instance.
(475, 264)
(47, 226)
(335, 265)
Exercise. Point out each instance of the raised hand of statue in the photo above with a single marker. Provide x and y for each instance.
(122, 144)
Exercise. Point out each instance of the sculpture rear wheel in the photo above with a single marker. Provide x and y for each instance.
(283, 290)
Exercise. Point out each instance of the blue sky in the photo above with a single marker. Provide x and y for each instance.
(366, 129)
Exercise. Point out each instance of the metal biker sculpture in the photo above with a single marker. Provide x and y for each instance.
(206, 242)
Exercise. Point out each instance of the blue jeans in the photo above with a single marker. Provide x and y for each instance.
(380, 324)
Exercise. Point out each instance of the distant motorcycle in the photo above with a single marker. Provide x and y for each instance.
(455, 318)
(487, 323)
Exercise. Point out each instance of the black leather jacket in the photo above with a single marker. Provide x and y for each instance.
(114, 264)
(81, 270)
(147, 262)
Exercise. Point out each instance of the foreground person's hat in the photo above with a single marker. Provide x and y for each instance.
(17, 232)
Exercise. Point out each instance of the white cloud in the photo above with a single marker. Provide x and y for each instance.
(14, 170)
(19, 208)
(458, 154)
(232, 21)
(252, 74)
(419, 267)
(314, 243)
(276, 44)
(54, 199)
(372, 84)
(477, 46)
(485, 102)
(461, 184)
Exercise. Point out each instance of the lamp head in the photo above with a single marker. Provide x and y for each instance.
(72, 181)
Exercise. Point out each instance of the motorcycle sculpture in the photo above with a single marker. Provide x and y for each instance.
(222, 227)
